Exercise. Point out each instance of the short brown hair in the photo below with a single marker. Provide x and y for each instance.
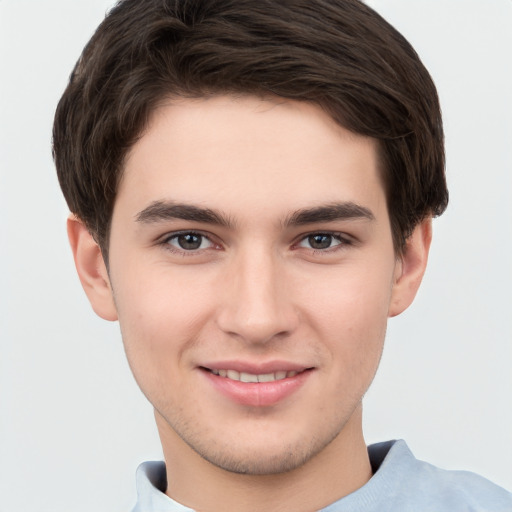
(338, 54)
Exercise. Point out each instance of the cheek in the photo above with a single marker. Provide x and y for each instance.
(349, 296)
(349, 311)
(161, 318)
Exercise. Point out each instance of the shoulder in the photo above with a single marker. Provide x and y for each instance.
(417, 485)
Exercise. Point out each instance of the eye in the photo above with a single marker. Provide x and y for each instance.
(322, 241)
(189, 241)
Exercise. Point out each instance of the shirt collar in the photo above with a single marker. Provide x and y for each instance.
(151, 479)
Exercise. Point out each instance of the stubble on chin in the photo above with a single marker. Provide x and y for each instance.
(234, 457)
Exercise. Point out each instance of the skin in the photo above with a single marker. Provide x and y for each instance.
(255, 289)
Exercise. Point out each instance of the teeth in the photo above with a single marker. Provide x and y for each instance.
(233, 375)
(249, 377)
(267, 377)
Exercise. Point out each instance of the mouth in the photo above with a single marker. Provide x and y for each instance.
(257, 386)
(252, 377)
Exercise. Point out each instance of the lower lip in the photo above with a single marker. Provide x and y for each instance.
(257, 394)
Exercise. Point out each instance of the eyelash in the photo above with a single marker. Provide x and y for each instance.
(342, 238)
(165, 242)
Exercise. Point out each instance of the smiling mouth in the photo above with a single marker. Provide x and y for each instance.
(253, 386)
(250, 377)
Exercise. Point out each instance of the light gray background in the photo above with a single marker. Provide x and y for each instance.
(73, 423)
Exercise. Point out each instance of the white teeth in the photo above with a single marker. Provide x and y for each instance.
(233, 375)
(266, 377)
(249, 377)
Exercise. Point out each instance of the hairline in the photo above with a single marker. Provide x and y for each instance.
(171, 98)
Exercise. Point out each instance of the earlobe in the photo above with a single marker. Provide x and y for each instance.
(91, 269)
(410, 268)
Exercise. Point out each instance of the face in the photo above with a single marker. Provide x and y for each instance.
(252, 268)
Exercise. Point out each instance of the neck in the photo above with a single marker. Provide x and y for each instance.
(339, 469)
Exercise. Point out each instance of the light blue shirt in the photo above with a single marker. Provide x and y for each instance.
(401, 483)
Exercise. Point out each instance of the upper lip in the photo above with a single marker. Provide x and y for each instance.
(255, 368)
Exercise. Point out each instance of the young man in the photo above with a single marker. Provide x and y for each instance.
(251, 187)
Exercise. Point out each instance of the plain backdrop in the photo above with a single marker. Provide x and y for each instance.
(73, 424)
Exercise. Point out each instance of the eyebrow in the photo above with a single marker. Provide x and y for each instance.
(328, 213)
(169, 210)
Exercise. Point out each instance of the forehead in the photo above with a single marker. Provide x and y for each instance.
(248, 154)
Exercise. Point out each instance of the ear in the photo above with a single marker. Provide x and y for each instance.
(410, 268)
(91, 269)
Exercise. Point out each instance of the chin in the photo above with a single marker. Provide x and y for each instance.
(261, 456)
(259, 463)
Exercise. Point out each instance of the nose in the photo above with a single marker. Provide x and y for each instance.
(256, 303)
